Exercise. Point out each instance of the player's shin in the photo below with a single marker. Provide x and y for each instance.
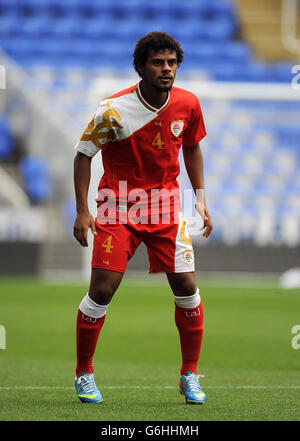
(189, 322)
(90, 319)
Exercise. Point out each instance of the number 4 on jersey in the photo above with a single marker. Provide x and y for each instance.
(157, 142)
(107, 244)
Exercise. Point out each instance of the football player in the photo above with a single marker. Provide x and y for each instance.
(140, 131)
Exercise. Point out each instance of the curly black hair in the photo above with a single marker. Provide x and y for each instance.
(156, 41)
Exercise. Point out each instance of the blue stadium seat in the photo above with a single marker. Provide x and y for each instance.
(10, 8)
(94, 8)
(153, 8)
(224, 7)
(9, 26)
(67, 7)
(49, 5)
(64, 27)
(210, 53)
(117, 29)
(190, 8)
(35, 26)
(207, 52)
(6, 139)
(32, 167)
(257, 72)
(39, 190)
(282, 72)
(218, 29)
(97, 27)
(234, 51)
(24, 47)
(222, 71)
(36, 174)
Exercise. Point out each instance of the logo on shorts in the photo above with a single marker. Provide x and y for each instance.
(177, 127)
(188, 257)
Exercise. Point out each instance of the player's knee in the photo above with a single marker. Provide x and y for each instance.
(185, 288)
(102, 295)
(189, 290)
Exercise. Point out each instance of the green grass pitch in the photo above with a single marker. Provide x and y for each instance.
(251, 370)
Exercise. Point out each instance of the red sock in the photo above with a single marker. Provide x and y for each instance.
(87, 333)
(189, 323)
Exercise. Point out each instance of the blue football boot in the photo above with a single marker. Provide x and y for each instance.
(190, 387)
(86, 388)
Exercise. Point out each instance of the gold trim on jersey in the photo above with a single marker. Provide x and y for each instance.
(182, 235)
(97, 135)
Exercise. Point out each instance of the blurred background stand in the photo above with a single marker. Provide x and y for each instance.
(62, 58)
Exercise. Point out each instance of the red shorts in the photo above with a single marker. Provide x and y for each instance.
(169, 246)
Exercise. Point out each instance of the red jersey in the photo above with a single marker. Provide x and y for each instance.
(140, 144)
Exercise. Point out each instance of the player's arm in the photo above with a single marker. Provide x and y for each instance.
(84, 219)
(193, 160)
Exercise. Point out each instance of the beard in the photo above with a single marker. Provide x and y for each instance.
(162, 89)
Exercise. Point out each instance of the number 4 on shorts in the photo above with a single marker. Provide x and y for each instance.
(107, 244)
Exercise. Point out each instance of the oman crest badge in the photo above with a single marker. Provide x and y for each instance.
(188, 257)
(177, 127)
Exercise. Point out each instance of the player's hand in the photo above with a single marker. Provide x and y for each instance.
(82, 223)
(207, 222)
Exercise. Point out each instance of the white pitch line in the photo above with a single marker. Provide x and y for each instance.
(150, 387)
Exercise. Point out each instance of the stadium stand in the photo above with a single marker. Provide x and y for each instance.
(93, 34)
(252, 155)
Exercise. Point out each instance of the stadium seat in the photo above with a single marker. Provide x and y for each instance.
(98, 28)
(11, 7)
(233, 51)
(39, 190)
(151, 9)
(35, 27)
(219, 8)
(222, 71)
(257, 72)
(282, 72)
(36, 174)
(193, 8)
(5, 145)
(6, 139)
(33, 168)
(64, 27)
(24, 47)
(9, 26)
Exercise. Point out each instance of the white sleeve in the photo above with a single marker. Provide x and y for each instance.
(86, 145)
(87, 148)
